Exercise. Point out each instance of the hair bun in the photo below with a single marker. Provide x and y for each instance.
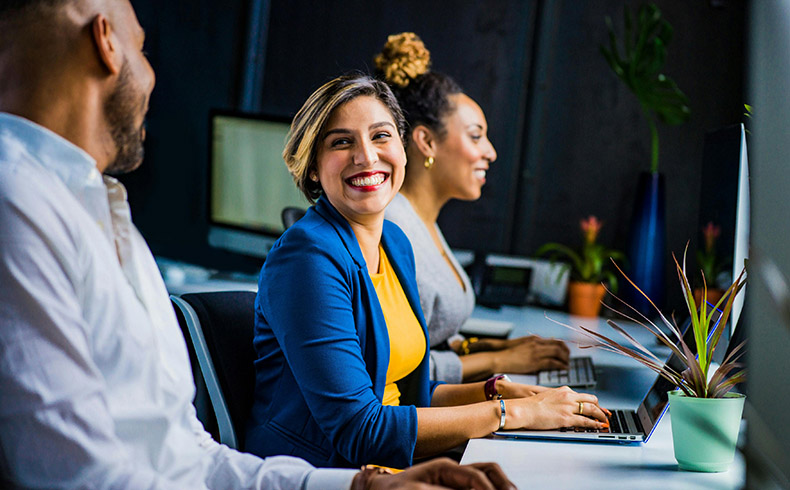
(403, 59)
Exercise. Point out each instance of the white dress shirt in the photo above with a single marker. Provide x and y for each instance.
(95, 381)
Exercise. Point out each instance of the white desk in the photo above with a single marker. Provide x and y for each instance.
(622, 383)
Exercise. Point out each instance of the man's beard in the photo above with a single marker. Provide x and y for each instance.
(121, 110)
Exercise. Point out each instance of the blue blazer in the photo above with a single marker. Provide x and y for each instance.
(323, 350)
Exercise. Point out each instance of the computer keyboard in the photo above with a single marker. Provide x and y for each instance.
(580, 372)
(617, 425)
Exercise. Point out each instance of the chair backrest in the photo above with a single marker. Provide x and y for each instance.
(291, 215)
(220, 328)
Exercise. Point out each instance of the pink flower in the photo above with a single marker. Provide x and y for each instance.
(590, 227)
(711, 232)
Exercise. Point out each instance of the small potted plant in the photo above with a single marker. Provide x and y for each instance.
(710, 264)
(705, 412)
(588, 269)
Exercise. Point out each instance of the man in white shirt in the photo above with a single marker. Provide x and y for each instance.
(95, 381)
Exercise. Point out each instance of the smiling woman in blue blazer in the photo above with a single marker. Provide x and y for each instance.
(342, 367)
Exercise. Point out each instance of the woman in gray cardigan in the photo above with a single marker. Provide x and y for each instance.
(448, 155)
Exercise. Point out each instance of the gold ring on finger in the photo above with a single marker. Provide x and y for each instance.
(581, 408)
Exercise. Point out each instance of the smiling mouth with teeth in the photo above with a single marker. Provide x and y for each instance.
(368, 180)
(480, 174)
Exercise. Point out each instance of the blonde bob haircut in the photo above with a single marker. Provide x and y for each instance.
(309, 124)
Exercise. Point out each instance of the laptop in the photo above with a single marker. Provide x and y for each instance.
(625, 425)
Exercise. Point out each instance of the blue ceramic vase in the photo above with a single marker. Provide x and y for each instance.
(647, 244)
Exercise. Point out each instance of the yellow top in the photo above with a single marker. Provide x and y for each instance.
(407, 342)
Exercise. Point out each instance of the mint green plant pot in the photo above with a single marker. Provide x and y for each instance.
(705, 430)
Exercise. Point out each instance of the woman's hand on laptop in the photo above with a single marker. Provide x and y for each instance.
(555, 408)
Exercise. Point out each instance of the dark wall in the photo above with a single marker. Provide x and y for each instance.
(196, 48)
(486, 46)
(588, 140)
(570, 137)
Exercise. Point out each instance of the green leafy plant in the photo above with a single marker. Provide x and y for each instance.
(588, 264)
(639, 64)
(693, 380)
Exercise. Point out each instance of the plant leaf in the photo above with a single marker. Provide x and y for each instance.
(661, 315)
(729, 384)
(645, 39)
(604, 342)
(632, 340)
(730, 295)
(559, 249)
(719, 377)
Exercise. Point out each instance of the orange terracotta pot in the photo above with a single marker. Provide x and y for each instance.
(714, 295)
(584, 298)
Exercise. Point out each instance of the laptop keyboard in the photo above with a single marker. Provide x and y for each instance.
(617, 425)
(580, 372)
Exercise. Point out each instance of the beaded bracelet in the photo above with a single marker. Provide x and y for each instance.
(465, 345)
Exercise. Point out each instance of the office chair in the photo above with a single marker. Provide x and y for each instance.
(291, 215)
(218, 327)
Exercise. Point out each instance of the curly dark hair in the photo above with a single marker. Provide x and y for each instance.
(426, 100)
(423, 95)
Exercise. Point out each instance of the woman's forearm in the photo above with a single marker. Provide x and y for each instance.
(479, 365)
(440, 429)
(449, 395)
(453, 395)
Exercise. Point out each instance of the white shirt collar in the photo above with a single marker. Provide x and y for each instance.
(73, 165)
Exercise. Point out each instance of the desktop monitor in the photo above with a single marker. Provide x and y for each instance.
(724, 202)
(249, 184)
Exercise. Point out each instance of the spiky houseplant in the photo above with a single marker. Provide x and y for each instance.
(693, 380)
(639, 64)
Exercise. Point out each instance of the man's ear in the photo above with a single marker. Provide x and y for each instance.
(106, 44)
(424, 139)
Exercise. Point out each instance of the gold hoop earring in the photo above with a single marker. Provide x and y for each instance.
(428, 163)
